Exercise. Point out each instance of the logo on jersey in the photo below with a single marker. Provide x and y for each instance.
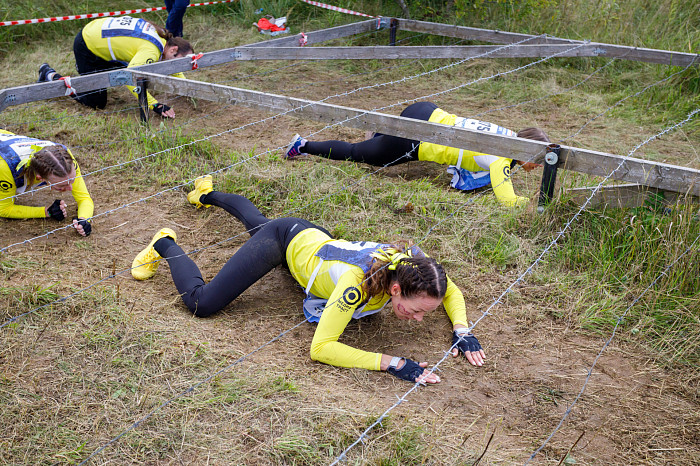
(506, 171)
(5, 185)
(352, 296)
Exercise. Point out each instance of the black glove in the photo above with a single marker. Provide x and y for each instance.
(410, 370)
(87, 227)
(466, 342)
(55, 210)
(160, 108)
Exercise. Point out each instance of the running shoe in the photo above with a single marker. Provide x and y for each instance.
(145, 264)
(202, 185)
(294, 147)
(44, 71)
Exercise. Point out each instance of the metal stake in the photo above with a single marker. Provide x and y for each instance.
(549, 176)
(142, 90)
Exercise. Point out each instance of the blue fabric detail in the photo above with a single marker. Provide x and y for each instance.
(465, 180)
(315, 303)
(13, 159)
(358, 253)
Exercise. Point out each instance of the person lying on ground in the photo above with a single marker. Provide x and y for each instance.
(470, 170)
(29, 162)
(343, 280)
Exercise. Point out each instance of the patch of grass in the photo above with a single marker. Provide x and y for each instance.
(295, 448)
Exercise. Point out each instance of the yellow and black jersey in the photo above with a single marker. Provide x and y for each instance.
(498, 167)
(339, 283)
(132, 41)
(16, 154)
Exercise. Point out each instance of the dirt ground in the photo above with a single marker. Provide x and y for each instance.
(632, 412)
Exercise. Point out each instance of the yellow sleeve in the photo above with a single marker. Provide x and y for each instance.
(145, 56)
(454, 304)
(342, 303)
(8, 208)
(502, 184)
(81, 195)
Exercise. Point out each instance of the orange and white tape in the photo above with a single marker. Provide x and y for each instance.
(98, 15)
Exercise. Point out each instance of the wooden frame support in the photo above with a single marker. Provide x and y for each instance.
(287, 48)
(655, 174)
(42, 91)
(663, 57)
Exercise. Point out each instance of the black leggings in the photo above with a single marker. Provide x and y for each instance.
(87, 62)
(264, 251)
(379, 151)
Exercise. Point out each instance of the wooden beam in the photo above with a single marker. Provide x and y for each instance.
(42, 91)
(659, 175)
(663, 57)
(387, 52)
(627, 195)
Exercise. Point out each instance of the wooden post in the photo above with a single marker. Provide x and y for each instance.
(549, 176)
(626, 196)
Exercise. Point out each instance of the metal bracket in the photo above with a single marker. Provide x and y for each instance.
(383, 22)
(121, 78)
(394, 25)
(10, 98)
(551, 158)
(236, 55)
(599, 51)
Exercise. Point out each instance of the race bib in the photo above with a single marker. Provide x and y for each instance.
(484, 126)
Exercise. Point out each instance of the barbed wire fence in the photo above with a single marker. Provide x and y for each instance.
(510, 288)
(618, 321)
(460, 207)
(291, 111)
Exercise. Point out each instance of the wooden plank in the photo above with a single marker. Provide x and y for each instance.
(393, 53)
(663, 57)
(659, 175)
(41, 91)
(626, 196)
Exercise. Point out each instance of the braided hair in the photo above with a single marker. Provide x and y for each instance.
(415, 275)
(51, 160)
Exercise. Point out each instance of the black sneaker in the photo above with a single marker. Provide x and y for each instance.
(44, 71)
